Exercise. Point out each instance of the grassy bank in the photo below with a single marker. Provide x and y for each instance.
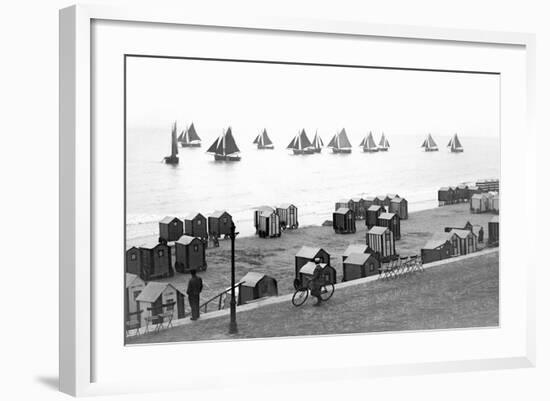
(276, 256)
(460, 294)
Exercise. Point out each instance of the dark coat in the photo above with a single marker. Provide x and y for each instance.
(316, 282)
(194, 287)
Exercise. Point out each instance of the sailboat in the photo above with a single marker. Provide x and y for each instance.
(429, 144)
(340, 143)
(263, 141)
(317, 143)
(383, 145)
(368, 144)
(225, 148)
(301, 145)
(173, 158)
(189, 138)
(455, 145)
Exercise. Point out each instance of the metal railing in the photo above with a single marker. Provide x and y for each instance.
(219, 298)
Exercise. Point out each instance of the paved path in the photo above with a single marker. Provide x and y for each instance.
(288, 297)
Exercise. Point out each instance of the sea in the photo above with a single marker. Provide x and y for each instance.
(269, 177)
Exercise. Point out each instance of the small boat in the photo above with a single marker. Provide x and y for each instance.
(173, 158)
(317, 143)
(340, 143)
(368, 144)
(189, 138)
(301, 144)
(455, 145)
(263, 141)
(383, 145)
(429, 144)
(225, 148)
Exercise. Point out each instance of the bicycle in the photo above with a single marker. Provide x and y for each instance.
(302, 293)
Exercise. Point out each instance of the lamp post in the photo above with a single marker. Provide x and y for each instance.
(232, 303)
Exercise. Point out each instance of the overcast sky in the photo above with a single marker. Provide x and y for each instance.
(284, 98)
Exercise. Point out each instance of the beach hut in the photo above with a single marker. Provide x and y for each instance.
(256, 285)
(343, 221)
(368, 202)
(372, 215)
(494, 231)
(387, 200)
(190, 254)
(358, 207)
(134, 285)
(379, 200)
(306, 273)
(399, 206)
(472, 189)
(195, 225)
(261, 210)
(288, 214)
(269, 224)
(380, 241)
(157, 300)
(479, 203)
(445, 196)
(155, 261)
(133, 260)
(463, 242)
(392, 221)
(170, 228)
(358, 265)
(494, 203)
(354, 248)
(462, 193)
(219, 223)
(309, 254)
(438, 248)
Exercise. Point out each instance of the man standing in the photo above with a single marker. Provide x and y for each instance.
(317, 282)
(194, 289)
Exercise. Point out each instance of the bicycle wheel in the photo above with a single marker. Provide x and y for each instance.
(299, 297)
(326, 291)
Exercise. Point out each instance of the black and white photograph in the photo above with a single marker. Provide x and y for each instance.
(273, 199)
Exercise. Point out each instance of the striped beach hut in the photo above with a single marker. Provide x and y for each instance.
(387, 200)
(494, 203)
(195, 225)
(256, 285)
(157, 300)
(479, 203)
(380, 241)
(493, 230)
(309, 254)
(190, 254)
(261, 210)
(372, 215)
(306, 273)
(219, 223)
(354, 248)
(359, 265)
(343, 221)
(170, 228)
(437, 248)
(379, 200)
(288, 214)
(399, 206)
(463, 242)
(392, 221)
(269, 224)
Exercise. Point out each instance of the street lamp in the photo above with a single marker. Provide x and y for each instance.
(232, 303)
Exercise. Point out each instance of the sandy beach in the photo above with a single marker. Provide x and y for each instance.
(275, 256)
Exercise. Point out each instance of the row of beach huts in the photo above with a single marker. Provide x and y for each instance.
(464, 192)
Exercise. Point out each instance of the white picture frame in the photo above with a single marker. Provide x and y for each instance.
(80, 346)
